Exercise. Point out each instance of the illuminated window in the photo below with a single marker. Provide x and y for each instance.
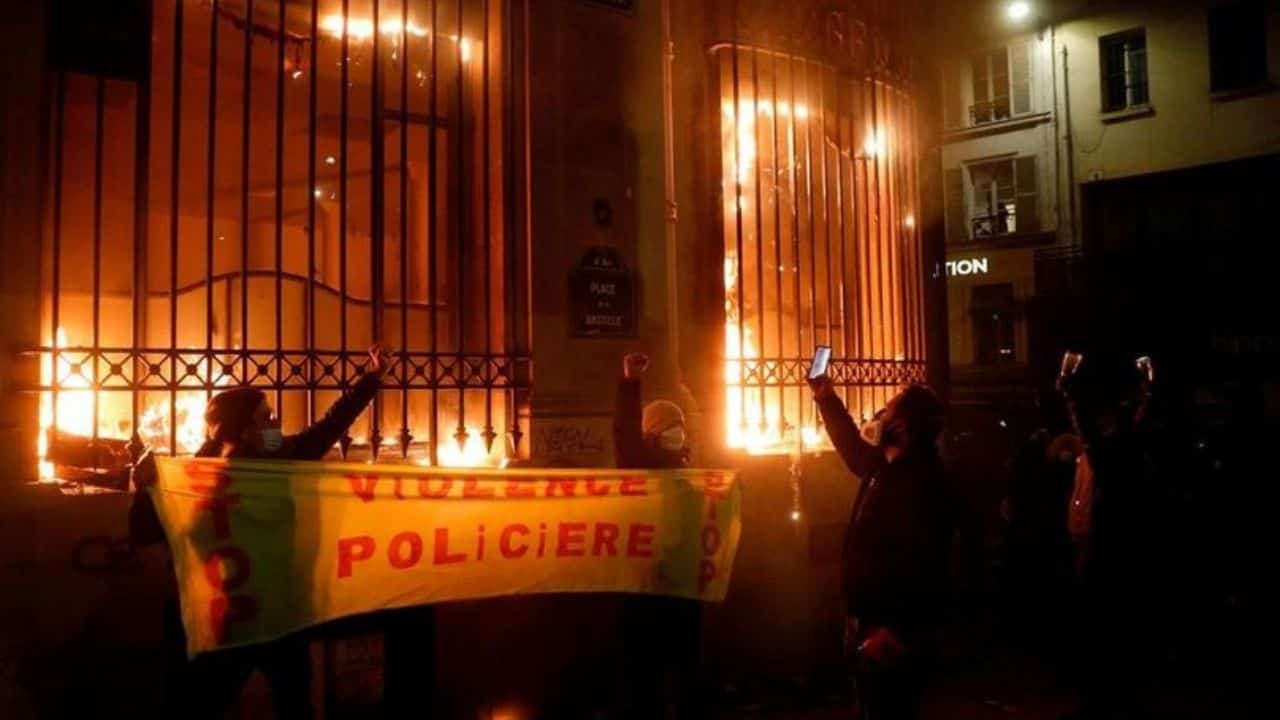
(294, 188)
(992, 199)
(1124, 70)
(1000, 83)
(820, 242)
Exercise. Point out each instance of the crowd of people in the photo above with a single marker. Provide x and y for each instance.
(1080, 541)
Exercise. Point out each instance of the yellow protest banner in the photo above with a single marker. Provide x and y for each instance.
(263, 548)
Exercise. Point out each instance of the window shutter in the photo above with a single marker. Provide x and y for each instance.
(957, 218)
(953, 111)
(1020, 76)
(1026, 185)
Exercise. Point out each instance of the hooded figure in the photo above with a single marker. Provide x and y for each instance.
(652, 438)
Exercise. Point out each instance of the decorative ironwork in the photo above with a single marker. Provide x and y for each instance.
(281, 188)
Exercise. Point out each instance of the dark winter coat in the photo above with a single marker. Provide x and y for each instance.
(896, 553)
(310, 444)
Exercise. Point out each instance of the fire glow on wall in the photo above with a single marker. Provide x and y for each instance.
(819, 187)
(281, 191)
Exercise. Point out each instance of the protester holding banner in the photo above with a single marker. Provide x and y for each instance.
(897, 546)
(241, 424)
(660, 634)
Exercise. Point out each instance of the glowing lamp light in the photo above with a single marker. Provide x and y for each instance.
(874, 146)
(1018, 11)
(795, 516)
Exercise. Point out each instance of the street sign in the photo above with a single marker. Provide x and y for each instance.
(601, 295)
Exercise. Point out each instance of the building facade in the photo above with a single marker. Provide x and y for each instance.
(509, 194)
(1059, 115)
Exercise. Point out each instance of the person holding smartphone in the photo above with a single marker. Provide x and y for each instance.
(898, 543)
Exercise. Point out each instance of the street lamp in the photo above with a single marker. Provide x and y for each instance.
(1018, 10)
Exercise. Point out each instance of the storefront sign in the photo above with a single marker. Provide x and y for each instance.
(968, 266)
(264, 548)
(601, 298)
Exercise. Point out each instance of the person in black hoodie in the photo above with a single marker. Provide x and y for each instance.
(241, 424)
(896, 553)
(660, 634)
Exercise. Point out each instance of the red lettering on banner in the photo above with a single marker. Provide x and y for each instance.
(710, 539)
(471, 489)
(352, 550)
(227, 568)
(520, 489)
(204, 471)
(363, 485)
(225, 610)
(706, 573)
(398, 556)
(424, 488)
(570, 540)
(443, 557)
(221, 518)
(606, 535)
(640, 540)
(504, 541)
(595, 489)
(567, 487)
(633, 486)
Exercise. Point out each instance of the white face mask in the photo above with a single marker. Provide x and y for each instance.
(873, 432)
(272, 439)
(672, 439)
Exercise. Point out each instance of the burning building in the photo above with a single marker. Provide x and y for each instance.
(214, 193)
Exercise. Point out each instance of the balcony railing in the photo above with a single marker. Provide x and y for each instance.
(989, 226)
(989, 111)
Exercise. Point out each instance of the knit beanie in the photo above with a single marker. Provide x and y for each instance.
(659, 416)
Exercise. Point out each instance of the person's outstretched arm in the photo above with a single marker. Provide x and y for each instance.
(861, 457)
(628, 438)
(315, 441)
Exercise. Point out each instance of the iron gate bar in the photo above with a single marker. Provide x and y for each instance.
(775, 173)
(209, 255)
(345, 75)
(462, 237)
(813, 247)
(406, 437)
(246, 90)
(279, 209)
(141, 209)
(739, 259)
(175, 179)
(98, 142)
(759, 213)
(488, 227)
(60, 103)
(432, 189)
(377, 217)
(845, 330)
(794, 156)
(312, 119)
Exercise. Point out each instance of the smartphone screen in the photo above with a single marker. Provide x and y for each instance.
(821, 357)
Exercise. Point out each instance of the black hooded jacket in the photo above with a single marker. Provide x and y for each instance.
(310, 444)
(896, 553)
